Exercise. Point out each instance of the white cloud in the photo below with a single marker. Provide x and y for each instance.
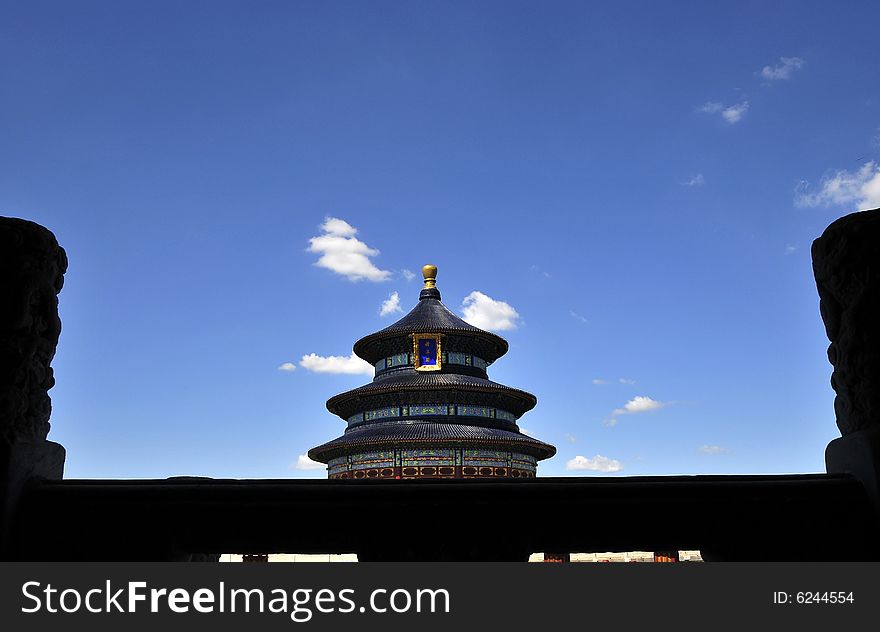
(731, 113)
(287, 366)
(570, 438)
(638, 404)
(350, 365)
(734, 113)
(409, 275)
(390, 305)
(537, 270)
(486, 313)
(784, 69)
(711, 449)
(303, 462)
(598, 463)
(579, 317)
(339, 227)
(694, 181)
(790, 249)
(527, 432)
(627, 381)
(598, 381)
(345, 254)
(859, 189)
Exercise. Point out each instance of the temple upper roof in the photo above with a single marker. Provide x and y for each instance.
(430, 315)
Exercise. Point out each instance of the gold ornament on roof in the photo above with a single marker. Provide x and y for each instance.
(429, 271)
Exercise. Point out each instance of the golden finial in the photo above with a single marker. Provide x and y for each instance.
(430, 273)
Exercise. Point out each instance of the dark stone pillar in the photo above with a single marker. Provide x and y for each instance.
(32, 267)
(846, 263)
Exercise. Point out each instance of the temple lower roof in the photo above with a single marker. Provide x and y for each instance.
(403, 433)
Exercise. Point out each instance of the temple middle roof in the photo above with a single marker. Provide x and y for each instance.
(517, 401)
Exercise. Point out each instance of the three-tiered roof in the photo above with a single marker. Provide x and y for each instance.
(431, 410)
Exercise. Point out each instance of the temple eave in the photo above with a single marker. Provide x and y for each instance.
(444, 436)
(428, 388)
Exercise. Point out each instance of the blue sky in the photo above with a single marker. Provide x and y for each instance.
(633, 187)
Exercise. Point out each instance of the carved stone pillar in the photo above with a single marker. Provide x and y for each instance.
(846, 264)
(32, 267)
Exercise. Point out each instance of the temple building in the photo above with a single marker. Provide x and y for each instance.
(431, 410)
